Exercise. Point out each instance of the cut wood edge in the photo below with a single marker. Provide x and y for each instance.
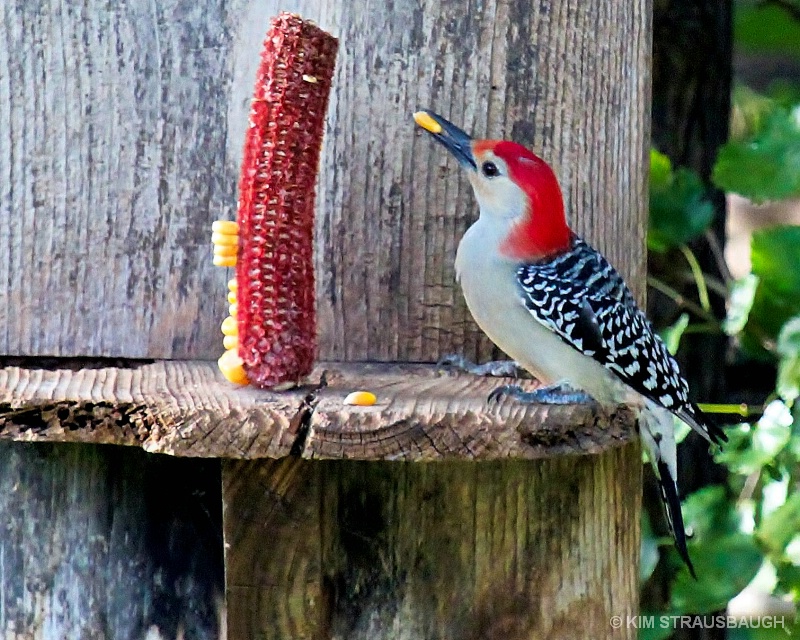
(185, 408)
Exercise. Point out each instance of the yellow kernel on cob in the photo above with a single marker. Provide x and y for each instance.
(224, 261)
(361, 398)
(232, 298)
(230, 342)
(426, 122)
(233, 285)
(227, 227)
(225, 240)
(225, 251)
(229, 327)
(233, 310)
(232, 367)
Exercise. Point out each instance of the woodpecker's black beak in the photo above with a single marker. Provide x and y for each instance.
(454, 139)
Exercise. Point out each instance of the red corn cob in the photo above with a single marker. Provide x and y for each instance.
(274, 269)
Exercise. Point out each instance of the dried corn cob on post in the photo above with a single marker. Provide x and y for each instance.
(275, 304)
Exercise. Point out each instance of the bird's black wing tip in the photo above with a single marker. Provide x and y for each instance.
(672, 504)
(715, 433)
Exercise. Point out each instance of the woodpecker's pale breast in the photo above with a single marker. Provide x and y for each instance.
(496, 302)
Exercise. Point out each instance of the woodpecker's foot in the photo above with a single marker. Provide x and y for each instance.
(553, 394)
(496, 368)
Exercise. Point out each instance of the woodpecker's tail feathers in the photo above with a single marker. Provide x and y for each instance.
(700, 422)
(672, 504)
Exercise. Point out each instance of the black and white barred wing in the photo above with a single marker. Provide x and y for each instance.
(597, 316)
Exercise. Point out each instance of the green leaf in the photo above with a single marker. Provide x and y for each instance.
(749, 111)
(658, 631)
(788, 385)
(740, 301)
(752, 447)
(766, 28)
(789, 580)
(679, 209)
(724, 567)
(660, 170)
(784, 92)
(672, 335)
(765, 166)
(709, 512)
(776, 262)
(779, 527)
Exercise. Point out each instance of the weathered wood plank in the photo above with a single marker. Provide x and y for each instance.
(505, 550)
(108, 543)
(186, 409)
(566, 77)
(121, 127)
(113, 163)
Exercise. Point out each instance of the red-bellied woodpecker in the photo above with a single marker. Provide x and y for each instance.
(557, 307)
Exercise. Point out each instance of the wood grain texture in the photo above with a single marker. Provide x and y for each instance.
(108, 543)
(569, 78)
(121, 128)
(113, 164)
(505, 550)
(186, 409)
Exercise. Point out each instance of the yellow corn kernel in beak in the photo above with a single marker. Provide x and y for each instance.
(224, 261)
(230, 342)
(233, 285)
(232, 298)
(224, 240)
(225, 251)
(426, 122)
(361, 398)
(229, 327)
(232, 367)
(225, 227)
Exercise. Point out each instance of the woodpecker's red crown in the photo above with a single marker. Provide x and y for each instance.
(512, 184)
(541, 230)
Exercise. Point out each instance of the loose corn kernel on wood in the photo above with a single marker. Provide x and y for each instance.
(361, 399)
(232, 367)
(227, 227)
(229, 327)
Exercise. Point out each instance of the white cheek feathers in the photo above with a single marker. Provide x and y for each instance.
(499, 197)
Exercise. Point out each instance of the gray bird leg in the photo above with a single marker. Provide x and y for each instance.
(496, 368)
(553, 394)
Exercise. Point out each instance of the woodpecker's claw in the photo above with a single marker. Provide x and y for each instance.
(554, 394)
(495, 368)
(505, 390)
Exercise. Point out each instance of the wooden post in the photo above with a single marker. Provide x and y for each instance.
(451, 550)
(123, 138)
(434, 515)
(496, 550)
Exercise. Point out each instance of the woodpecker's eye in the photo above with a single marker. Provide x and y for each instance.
(490, 169)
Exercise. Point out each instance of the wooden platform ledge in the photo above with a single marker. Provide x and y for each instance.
(187, 409)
